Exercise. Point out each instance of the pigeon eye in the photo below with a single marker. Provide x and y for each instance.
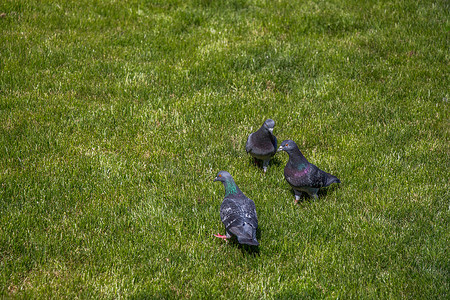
(287, 145)
(220, 175)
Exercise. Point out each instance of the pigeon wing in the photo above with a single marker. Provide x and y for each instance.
(311, 176)
(239, 218)
(306, 177)
(248, 146)
(274, 142)
(230, 213)
(234, 212)
(320, 178)
(249, 210)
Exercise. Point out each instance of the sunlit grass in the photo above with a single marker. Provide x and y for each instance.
(116, 117)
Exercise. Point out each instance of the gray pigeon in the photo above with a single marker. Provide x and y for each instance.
(262, 144)
(238, 213)
(302, 175)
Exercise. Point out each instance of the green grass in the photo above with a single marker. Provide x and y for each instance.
(116, 116)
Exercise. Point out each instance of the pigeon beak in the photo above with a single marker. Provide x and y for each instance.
(271, 130)
(280, 149)
(215, 179)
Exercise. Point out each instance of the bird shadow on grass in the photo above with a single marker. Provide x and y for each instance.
(246, 249)
(303, 198)
(275, 161)
(322, 193)
(255, 162)
(249, 250)
(330, 189)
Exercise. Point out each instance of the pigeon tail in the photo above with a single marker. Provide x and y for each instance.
(332, 179)
(244, 234)
(251, 242)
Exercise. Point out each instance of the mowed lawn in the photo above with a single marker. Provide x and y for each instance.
(115, 117)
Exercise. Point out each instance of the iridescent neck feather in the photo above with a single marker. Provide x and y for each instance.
(230, 187)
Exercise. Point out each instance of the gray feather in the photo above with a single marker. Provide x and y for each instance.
(262, 144)
(302, 175)
(237, 212)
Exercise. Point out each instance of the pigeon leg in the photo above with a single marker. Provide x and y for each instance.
(297, 195)
(313, 193)
(265, 165)
(224, 237)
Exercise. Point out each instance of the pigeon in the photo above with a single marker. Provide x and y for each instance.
(238, 213)
(262, 144)
(302, 175)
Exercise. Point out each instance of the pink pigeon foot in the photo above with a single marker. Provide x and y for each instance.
(224, 237)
